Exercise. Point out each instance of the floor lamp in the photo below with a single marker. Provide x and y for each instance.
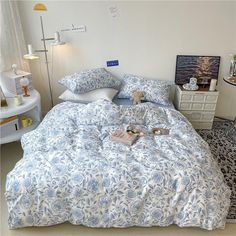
(56, 41)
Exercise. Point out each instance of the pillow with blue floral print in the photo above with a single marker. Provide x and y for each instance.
(88, 80)
(157, 91)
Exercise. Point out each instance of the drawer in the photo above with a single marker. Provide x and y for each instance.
(199, 116)
(185, 106)
(211, 98)
(210, 106)
(197, 106)
(207, 116)
(198, 97)
(186, 97)
(192, 115)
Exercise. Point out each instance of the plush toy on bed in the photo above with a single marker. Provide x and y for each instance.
(137, 96)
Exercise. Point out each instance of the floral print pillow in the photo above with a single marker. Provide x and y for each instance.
(88, 80)
(155, 90)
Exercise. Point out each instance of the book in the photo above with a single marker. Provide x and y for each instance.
(8, 119)
(124, 137)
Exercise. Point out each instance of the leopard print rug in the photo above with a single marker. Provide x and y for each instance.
(224, 150)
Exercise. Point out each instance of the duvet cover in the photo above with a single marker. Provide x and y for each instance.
(72, 171)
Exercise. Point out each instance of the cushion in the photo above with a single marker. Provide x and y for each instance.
(157, 91)
(88, 80)
(91, 96)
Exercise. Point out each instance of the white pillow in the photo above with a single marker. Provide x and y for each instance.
(91, 96)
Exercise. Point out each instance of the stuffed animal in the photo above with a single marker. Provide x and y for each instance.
(137, 96)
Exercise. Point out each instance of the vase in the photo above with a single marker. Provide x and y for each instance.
(232, 70)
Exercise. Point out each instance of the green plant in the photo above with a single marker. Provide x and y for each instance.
(234, 57)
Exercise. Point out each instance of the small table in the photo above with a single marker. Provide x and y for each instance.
(230, 80)
(31, 107)
(231, 132)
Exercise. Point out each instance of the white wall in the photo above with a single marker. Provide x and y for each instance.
(145, 37)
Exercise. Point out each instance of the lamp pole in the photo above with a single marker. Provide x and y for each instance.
(46, 59)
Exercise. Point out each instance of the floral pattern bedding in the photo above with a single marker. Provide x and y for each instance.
(72, 171)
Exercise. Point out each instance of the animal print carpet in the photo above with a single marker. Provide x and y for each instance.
(224, 150)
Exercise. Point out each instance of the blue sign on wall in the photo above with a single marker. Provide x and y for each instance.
(112, 63)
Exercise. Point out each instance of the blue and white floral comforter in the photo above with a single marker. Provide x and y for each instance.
(73, 171)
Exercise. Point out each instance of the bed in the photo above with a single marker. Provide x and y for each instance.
(72, 171)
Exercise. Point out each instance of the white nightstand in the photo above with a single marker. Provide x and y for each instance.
(197, 106)
(31, 108)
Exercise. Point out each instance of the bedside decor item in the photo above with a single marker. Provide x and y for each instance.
(232, 70)
(192, 85)
(213, 85)
(56, 41)
(18, 100)
(26, 121)
(11, 81)
(14, 68)
(24, 82)
(3, 98)
(204, 68)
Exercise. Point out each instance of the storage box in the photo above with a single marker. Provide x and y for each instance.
(11, 81)
(9, 127)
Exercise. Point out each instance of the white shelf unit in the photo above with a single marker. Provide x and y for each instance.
(197, 106)
(31, 108)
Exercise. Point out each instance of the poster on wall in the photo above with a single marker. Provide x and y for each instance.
(204, 68)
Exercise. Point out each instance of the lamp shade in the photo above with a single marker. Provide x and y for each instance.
(57, 39)
(24, 81)
(40, 7)
(30, 55)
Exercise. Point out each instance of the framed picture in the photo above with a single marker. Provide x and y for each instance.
(204, 68)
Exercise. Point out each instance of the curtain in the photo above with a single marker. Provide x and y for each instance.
(13, 45)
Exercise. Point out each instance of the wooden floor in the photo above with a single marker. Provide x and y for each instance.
(11, 153)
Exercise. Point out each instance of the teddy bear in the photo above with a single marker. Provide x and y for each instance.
(137, 96)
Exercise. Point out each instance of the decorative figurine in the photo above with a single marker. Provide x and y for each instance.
(14, 68)
(24, 82)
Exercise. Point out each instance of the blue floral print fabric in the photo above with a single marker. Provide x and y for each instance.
(157, 91)
(88, 80)
(72, 171)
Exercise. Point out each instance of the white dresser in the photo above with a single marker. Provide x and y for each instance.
(197, 106)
